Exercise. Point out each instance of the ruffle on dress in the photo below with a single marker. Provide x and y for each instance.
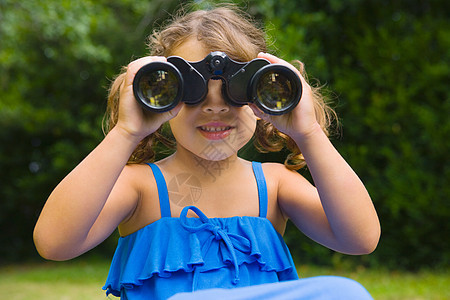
(198, 244)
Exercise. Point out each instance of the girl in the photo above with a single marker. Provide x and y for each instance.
(204, 218)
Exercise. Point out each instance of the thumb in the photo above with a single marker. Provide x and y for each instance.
(259, 113)
(173, 112)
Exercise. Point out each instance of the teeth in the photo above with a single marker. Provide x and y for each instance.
(215, 129)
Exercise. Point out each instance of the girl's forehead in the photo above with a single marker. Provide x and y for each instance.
(191, 50)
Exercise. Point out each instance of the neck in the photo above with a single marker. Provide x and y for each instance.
(209, 170)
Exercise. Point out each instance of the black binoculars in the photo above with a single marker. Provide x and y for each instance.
(274, 88)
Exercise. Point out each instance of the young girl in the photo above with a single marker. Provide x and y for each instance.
(203, 218)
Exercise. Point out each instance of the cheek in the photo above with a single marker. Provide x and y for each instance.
(179, 131)
(174, 127)
(246, 129)
(179, 123)
(248, 122)
(178, 128)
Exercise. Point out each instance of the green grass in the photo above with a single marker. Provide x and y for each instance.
(78, 279)
(83, 279)
(393, 285)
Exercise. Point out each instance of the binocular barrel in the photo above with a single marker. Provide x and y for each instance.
(274, 88)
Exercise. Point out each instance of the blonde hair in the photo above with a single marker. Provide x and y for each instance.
(234, 32)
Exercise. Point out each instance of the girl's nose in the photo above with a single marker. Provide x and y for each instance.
(214, 101)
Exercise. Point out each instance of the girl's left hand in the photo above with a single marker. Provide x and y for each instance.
(301, 121)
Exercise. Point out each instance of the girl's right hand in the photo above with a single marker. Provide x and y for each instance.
(93, 199)
(133, 120)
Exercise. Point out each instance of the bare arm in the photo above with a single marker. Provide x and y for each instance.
(86, 207)
(70, 212)
(338, 212)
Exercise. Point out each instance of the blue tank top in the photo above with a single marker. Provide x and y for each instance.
(174, 255)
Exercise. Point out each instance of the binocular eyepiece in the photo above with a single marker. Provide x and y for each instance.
(274, 88)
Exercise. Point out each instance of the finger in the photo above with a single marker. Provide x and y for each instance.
(276, 60)
(258, 113)
(134, 66)
(171, 113)
(272, 58)
(174, 111)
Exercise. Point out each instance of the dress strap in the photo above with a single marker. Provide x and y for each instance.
(262, 188)
(163, 194)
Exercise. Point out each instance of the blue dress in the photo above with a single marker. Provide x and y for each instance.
(179, 255)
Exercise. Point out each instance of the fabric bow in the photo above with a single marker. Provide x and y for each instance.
(232, 241)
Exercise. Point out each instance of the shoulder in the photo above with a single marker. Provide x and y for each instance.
(137, 173)
(135, 169)
(137, 178)
(279, 172)
(292, 189)
(137, 185)
(285, 178)
(128, 187)
(274, 167)
(132, 176)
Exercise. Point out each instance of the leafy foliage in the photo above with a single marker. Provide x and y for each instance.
(56, 58)
(386, 62)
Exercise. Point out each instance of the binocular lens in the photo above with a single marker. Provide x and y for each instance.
(159, 88)
(276, 92)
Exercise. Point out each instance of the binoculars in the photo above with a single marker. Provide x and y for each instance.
(274, 88)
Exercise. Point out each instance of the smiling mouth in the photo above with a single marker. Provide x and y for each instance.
(215, 129)
(214, 132)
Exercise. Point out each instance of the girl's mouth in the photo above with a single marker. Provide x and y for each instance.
(215, 131)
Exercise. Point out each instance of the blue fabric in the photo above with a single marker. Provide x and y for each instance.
(175, 255)
(163, 194)
(315, 288)
(262, 188)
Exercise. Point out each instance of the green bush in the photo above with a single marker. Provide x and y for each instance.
(56, 60)
(385, 65)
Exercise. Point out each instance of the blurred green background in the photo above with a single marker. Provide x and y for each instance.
(385, 65)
